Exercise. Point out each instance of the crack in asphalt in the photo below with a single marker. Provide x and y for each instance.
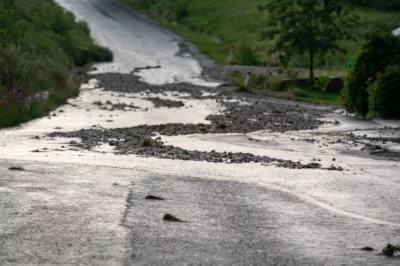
(124, 223)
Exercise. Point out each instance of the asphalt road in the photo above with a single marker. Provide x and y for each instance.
(88, 208)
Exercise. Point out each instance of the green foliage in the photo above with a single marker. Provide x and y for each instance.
(389, 5)
(304, 26)
(378, 51)
(297, 92)
(323, 82)
(175, 11)
(280, 86)
(384, 94)
(216, 25)
(39, 44)
(246, 56)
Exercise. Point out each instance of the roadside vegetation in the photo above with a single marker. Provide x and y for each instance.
(216, 25)
(330, 37)
(41, 49)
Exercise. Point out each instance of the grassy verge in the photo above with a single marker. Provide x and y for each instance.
(215, 25)
(40, 44)
(278, 86)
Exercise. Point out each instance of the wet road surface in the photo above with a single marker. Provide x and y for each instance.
(87, 207)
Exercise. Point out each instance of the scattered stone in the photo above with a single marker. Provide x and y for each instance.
(113, 142)
(158, 102)
(16, 168)
(253, 116)
(333, 159)
(170, 218)
(36, 150)
(367, 249)
(115, 106)
(313, 165)
(151, 197)
(61, 111)
(334, 168)
(147, 142)
(391, 251)
(57, 128)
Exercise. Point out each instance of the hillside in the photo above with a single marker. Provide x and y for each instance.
(215, 25)
(40, 44)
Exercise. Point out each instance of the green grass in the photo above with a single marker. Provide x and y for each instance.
(320, 98)
(40, 44)
(274, 85)
(215, 25)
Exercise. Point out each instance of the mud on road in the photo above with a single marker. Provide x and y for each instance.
(239, 114)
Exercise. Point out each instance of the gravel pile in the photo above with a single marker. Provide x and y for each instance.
(247, 116)
(114, 106)
(138, 141)
(158, 102)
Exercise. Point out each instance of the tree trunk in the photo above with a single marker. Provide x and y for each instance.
(326, 3)
(311, 65)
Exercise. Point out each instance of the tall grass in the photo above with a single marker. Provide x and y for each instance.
(39, 44)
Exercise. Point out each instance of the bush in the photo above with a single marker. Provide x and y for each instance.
(384, 94)
(323, 82)
(389, 5)
(379, 51)
(297, 92)
(172, 11)
(246, 56)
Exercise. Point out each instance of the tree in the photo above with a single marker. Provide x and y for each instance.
(307, 27)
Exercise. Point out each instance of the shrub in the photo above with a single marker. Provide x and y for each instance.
(379, 51)
(323, 82)
(246, 56)
(384, 93)
(297, 92)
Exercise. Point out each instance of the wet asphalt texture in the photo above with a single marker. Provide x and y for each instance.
(94, 211)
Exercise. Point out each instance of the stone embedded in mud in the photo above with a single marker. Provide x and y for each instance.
(313, 165)
(254, 115)
(158, 102)
(334, 168)
(367, 249)
(170, 218)
(152, 197)
(113, 142)
(147, 142)
(16, 168)
(391, 251)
